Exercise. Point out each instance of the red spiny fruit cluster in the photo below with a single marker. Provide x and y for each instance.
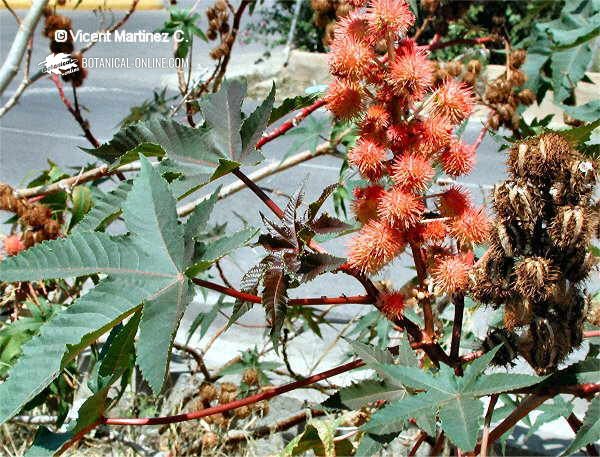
(384, 82)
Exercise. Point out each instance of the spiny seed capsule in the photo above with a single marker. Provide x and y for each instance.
(509, 350)
(571, 227)
(535, 278)
(517, 199)
(208, 392)
(516, 314)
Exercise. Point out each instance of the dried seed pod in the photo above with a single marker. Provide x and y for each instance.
(517, 199)
(517, 78)
(509, 350)
(571, 227)
(527, 97)
(490, 282)
(209, 440)
(511, 237)
(517, 313)
(578, 265)
(535, 278)
(322, 6)
(242, 412)
(250, 377)
(208, 392)
(454, 68)
(517, 58)
(474, 66)
(551, 342)
(593, 314)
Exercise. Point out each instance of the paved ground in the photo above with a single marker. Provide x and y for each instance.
(39, 129)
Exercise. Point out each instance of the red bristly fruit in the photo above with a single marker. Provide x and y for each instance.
(13, 245)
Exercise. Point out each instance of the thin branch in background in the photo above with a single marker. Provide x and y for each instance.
(27, 26)
(76, 113)
(575, 425)
(459, 306)
(12, 12)
(530, 403)
(486, 425)
(197, 358)
(235, 27)
(117, 25)
(279, 426)
(420, 439)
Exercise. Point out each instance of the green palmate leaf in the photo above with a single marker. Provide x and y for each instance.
(568, 68)
(253, 127)
(461, 418)
(233, 137)
(588, 112)
(114, 362)
(455, 398)
(392, 418)
(145, 266)
(590, 429)
(291, 104)
(222, 113)
(160, 136)
(361, 394)
(68, 333)
(198, 221)
(159, 324)
(209, 253)
(47, 443)
(368, 446)
(416, 378)
(105, 208)
(374, 358)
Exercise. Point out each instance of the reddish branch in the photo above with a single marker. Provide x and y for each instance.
(291, 123)
(422, 276)
(356, 299)
(75, 112)
(459, 306)
(437, 43)
(265, 395)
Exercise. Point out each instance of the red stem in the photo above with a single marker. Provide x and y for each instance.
(354, 299)
(265, 395)
(459, 306)
(259, 193)
(305, 112)
(437, 43)
(75, 112)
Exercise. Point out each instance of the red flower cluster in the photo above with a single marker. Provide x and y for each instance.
(383, 81)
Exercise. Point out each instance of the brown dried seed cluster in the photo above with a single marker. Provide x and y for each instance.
(36, 218)
(219, 28)
(52, 23)
(226, 392)
(504, 94)
(468, 71)
(326, 12)
(539, 256)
